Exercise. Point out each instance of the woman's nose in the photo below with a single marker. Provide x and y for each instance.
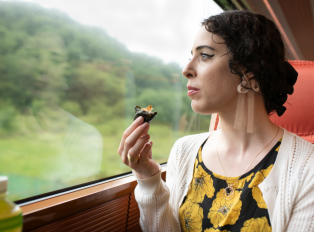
(188, 71)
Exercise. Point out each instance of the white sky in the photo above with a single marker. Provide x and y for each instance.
(162, 28)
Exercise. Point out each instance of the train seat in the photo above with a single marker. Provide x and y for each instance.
(299, 116)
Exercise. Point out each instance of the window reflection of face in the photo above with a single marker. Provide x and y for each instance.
(208, 71)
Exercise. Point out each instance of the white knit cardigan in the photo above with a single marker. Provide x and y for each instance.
(288, 190)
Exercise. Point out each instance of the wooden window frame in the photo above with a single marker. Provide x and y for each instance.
(52, 209)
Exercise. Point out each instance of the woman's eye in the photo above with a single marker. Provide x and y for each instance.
(205, 56)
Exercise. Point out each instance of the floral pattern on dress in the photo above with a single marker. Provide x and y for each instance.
(258, 197)
(195, 165)
(260, 176)
(256, 192)
(256, 225)
(277, 149)
(238, 184)
(214, 213)
(192, 216)
(215, 230)
(225, 212)
(200, 159)
(202, 184)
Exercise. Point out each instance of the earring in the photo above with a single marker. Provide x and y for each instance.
(254, 85)
(240, 87)
(245, 95)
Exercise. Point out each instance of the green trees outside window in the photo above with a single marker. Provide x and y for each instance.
(67, 93)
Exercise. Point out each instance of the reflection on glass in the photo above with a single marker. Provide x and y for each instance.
(68, 92)
(44, 147)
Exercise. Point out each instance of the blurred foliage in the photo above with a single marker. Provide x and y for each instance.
(41, 48)
(50, 66)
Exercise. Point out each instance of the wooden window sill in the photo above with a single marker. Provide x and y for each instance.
(50, 210)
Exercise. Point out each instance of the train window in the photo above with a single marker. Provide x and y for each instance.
(71, 74)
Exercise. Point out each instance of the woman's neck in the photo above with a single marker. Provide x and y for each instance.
(239, 141)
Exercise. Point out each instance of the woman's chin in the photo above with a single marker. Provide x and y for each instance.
(202, 109)
(197, 108)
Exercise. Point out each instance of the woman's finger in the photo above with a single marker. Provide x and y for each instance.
(145, 167)
(146, 152)
(139, 121)
(134, 137)
(138, 146)
(150, 153)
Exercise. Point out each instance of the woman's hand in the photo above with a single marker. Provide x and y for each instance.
(135, 143)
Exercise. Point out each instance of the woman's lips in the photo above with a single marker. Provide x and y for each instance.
(192, 90)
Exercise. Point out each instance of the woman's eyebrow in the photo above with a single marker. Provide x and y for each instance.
(204, 46)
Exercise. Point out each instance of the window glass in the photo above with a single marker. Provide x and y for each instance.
(71, 73)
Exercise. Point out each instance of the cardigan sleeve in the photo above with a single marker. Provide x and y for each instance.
(302, 214)
(153, 194)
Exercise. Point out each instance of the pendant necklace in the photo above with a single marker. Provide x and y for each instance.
(229, 191)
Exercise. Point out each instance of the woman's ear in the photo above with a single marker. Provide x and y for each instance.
(248, 75)
(249, 82)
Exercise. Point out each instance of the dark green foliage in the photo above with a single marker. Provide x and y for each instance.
(51, 65)
(47, 56)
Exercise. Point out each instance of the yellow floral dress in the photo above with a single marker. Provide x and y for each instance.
(205, 209)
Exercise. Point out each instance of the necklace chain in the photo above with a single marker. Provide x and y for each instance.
(230, 188)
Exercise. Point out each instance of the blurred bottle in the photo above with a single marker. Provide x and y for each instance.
(11, 219)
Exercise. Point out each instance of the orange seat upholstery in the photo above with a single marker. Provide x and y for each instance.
(299, 116)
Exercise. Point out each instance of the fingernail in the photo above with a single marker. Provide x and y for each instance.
(139, 119)
(144, 136)
(145, 124)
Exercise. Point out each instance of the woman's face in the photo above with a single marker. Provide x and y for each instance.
(209, 72)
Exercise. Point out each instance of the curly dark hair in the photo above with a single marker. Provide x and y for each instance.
(255, 44)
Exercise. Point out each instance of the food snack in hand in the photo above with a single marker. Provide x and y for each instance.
(146, 113)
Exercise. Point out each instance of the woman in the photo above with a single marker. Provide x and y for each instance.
(250, 175)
